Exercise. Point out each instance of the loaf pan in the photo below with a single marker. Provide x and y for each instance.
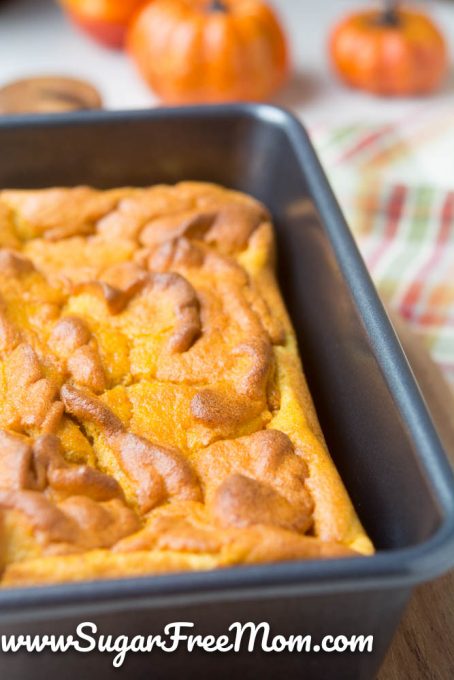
(374, 419)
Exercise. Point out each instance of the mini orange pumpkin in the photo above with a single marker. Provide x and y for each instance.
(104, 20)
(396, 52)
(202, 51)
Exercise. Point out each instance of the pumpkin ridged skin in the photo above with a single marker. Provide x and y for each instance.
(189, 52)
(104, 20)
(409, 58)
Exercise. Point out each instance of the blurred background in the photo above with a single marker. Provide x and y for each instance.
(37, 38)
(372, 81)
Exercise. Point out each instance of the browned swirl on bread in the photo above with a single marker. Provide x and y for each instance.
(180, 291)
(68, 507)
(153, 412)
(158, 472)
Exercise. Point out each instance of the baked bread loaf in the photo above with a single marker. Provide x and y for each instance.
(154, 416)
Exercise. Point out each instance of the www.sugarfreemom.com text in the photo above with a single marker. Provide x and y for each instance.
(239, 637)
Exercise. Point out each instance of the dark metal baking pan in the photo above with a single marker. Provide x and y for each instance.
(374, 419)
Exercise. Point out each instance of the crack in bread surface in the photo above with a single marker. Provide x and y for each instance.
(153, 415)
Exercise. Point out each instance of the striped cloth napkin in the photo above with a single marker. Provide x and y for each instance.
(395, 183)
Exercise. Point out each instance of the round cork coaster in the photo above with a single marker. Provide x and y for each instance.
(48, 94)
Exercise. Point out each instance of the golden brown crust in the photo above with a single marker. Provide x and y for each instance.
(153, 413)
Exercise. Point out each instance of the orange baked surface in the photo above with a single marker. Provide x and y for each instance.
(154, 416)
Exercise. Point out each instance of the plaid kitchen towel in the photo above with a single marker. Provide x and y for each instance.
(395, 183)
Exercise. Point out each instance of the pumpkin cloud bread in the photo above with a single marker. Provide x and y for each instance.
(154, 416)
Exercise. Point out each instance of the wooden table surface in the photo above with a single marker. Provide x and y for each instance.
(423, 648)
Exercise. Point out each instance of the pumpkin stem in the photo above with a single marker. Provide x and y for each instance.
(219, 6)
(390, 15)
